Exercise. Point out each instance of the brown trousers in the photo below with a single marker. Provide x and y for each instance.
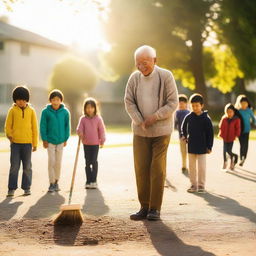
(150, 169)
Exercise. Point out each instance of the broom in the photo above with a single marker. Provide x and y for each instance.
(70, 213)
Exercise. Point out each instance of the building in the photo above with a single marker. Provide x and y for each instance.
(25, 58)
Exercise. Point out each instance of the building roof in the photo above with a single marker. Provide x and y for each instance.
(10, 32)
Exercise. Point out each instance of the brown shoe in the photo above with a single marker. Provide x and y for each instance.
(192, 189)
(140, 215)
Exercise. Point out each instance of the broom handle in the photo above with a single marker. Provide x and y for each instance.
(74, 171)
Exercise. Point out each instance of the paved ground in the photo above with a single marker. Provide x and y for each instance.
(221, 222)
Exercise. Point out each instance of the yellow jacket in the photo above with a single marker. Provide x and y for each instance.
(21, 125)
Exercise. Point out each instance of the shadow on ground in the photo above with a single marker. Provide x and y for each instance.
(243, 174)
(229, 206)
(65, 235)
(167, 243)
(46, 206)
(8, 209)
(94, 203)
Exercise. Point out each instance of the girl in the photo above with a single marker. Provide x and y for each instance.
(91, 130)
(230, 128)
(244, 107)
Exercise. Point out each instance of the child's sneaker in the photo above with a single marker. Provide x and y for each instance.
(192, 189)
(56, 187)
(232, 165)
(225, 165)
(184, 170)
(201, 190)
(242, 161)
(88, 185)
(94, 185)
(10, 193)
(51, 188)
(27, 192)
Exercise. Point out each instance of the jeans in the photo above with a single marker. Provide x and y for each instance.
(227, 148)
(91, 163)
(20, 153)
(244, 141)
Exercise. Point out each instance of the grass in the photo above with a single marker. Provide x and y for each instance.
(119, 128)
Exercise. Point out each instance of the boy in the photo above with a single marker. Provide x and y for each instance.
(179, 117)
(197, 129)
(22, 131)
(55, 131)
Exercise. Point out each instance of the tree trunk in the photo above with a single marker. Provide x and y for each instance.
(196, 64)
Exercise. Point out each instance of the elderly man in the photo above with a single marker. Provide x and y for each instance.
(150, 100)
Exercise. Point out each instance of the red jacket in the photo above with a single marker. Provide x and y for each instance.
(229, 128)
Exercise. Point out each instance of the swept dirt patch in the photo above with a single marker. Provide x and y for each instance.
(93, 231)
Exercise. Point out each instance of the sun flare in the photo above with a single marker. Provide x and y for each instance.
(75, 23)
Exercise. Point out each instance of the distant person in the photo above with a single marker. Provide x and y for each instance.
(91, 130)
(179, 117)
(150, 100)
(197, 130)
(230, 128)
(244, 107)
(55, 131)
(22, 131)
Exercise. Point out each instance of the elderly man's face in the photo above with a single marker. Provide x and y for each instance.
(145, 64)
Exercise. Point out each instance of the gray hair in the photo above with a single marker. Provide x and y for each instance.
(145, 49)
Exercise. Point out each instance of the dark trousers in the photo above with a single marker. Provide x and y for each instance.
(227, 149)
(150, 169)
(244, 143)
(91, 163)
(20, 153)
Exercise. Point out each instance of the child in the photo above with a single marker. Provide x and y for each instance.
(22, 131)
(179, 117)
(55, 131)
(198, 131)
(230, 128)
(91, 130)
(244, 107)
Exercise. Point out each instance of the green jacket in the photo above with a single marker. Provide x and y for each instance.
(55, 125)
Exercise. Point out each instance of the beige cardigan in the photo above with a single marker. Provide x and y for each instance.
(167, 101)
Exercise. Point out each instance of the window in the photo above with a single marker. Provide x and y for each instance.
(24, 49)
(1, 45)
(6, 93)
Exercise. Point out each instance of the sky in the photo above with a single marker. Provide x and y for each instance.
(71, 22)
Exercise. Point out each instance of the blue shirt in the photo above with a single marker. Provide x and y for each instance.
(179, 117)
(248, 116)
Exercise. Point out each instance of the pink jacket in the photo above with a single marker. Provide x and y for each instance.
(92, 130)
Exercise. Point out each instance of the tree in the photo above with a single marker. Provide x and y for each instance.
(75, 78)
(177, 28)
(238, 29)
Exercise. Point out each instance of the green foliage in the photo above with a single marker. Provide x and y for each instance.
(73, 76)
(134, 23)
(238, 24)
(227, 69)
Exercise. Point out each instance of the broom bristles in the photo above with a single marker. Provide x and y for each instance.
(69, 217)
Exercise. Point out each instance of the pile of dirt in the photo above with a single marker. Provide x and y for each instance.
(92, 232)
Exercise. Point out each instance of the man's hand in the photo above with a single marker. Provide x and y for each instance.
(208, 151)
(34, 149)
(65, 144)
(9, 138)
(45, 144)
(143, 127)
(184, 138)
(150, 120)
